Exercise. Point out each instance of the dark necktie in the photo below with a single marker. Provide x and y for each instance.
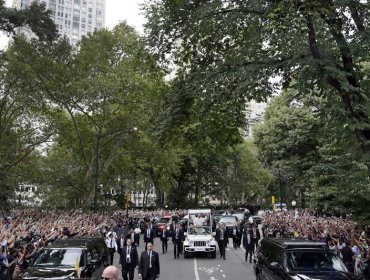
(111, 243)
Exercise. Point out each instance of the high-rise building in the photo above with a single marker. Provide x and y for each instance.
(254, 115)
(73, 18)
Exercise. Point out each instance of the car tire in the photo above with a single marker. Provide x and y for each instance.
(213, 254)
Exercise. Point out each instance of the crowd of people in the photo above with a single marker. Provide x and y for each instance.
(340, 234)
(24, 232)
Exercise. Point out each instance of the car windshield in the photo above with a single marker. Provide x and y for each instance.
(163, 220)
(313, 261)
(198, 230)
(58, 257)
(227, 220)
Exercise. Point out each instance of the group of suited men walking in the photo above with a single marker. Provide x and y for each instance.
(248, 236)
(148, 264)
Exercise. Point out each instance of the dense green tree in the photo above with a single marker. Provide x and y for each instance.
(227, 52)
(35, 17)
(313, 156)
(99, 91)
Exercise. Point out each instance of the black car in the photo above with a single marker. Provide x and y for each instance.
(298, 259)
(68, 259)
(161, 223)
(229, 222)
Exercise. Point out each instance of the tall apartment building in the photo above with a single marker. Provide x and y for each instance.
(254, 115)
(73, 18)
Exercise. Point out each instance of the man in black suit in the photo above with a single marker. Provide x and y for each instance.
(256, 236)
(177, 237)
(148, 236)
(248, 243)
(129, 260)
(164, 239)
(222, 238)
(149, 264)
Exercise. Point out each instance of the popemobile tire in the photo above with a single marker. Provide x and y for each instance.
(186, 254)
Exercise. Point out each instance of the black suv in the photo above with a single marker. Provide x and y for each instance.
(70, 258)
(298, 259)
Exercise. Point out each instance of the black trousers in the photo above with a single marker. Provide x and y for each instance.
(128, 272)
(111, 255)
(249, 250)
(177, 248)
(222, 246)
(164, 246)
(150, 275)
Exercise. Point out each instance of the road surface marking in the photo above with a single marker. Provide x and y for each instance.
(196, 269)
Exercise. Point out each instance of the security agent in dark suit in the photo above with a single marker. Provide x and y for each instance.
(248, 243)
(129, 260)
(149, 264)
(222, 238)
(177, 237)
(148, 236)
(121, 242)
(164, 240)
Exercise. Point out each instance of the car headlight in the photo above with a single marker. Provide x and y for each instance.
(191, 242)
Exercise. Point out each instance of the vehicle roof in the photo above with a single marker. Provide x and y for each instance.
(290, 243)
(201, 211)
(227, 216)
(238, 213)
(73, 242)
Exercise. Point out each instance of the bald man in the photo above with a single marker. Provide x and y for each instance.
(110, 273)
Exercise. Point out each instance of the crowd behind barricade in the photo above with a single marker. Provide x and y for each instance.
(348, 239)
(24, 232)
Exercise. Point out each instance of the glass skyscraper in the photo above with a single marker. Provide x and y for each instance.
(73, 18)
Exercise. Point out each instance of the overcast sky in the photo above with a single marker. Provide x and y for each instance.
(129, 10)
(116, 11)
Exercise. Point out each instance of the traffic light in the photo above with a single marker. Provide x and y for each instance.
(127, 199)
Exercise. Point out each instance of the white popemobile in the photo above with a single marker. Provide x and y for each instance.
(199, 237)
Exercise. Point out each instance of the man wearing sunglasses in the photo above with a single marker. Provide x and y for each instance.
(110, 273)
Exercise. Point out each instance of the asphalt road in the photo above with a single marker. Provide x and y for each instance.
(200, 267)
